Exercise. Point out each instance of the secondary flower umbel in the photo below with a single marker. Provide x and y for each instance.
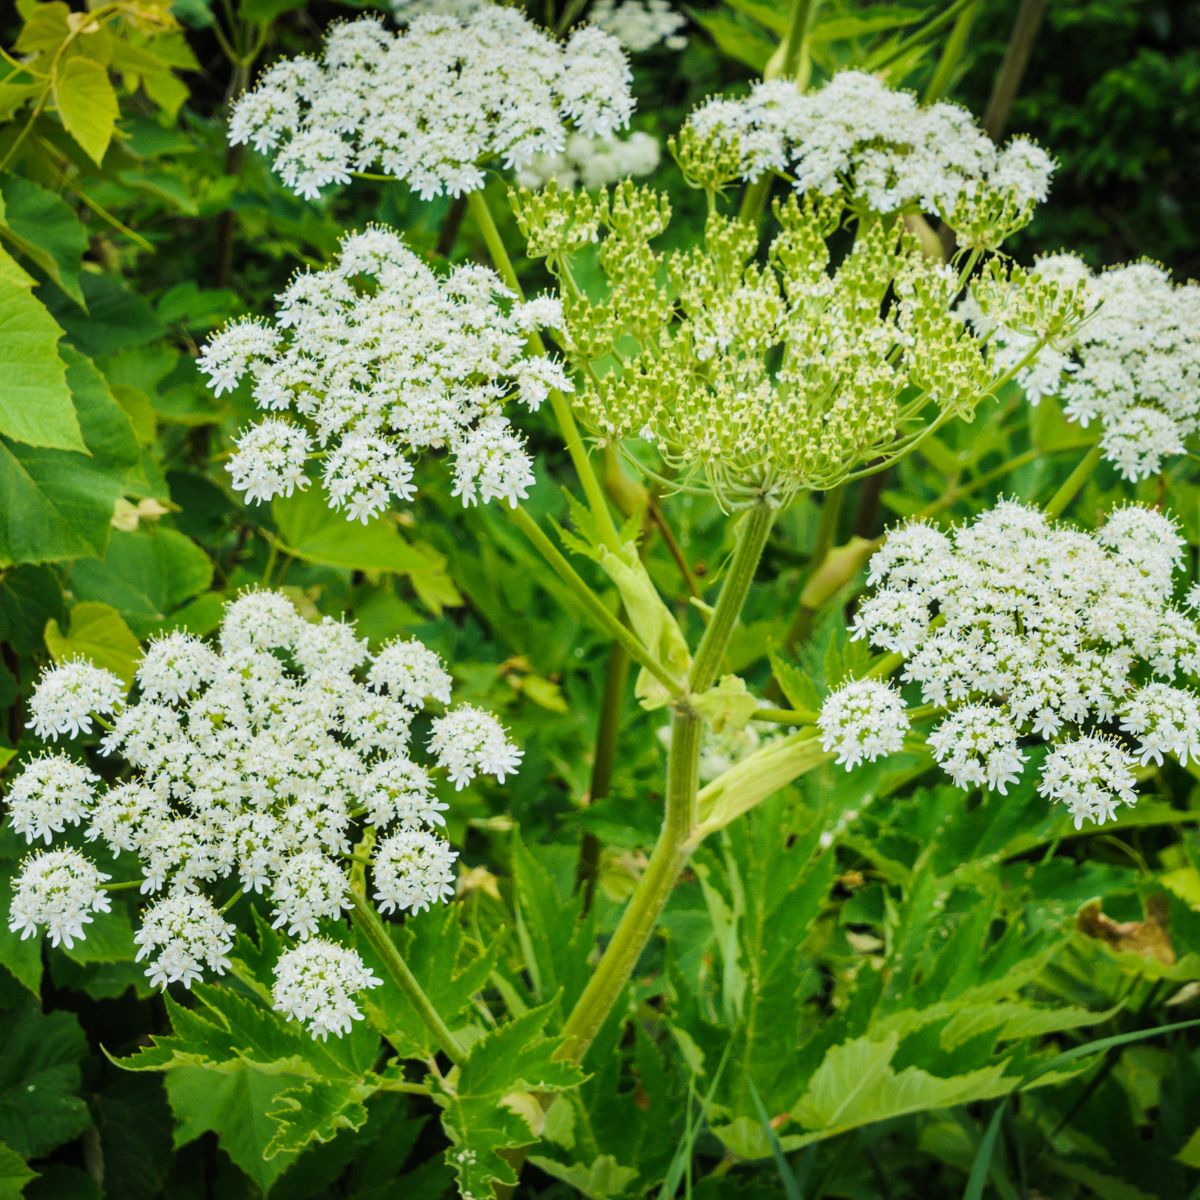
(259, 761)
(435, 104)
(1133, 366)
(381, 360)
(1024, 631)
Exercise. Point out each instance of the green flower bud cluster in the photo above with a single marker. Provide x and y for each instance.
(761, 376)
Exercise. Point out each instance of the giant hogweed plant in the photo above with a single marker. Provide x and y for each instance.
(287, 774)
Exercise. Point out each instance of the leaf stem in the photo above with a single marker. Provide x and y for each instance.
(477, 203)
(374, 930)
(1074, 482)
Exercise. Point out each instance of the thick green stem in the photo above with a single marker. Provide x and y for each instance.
(650, 896)
(367, 920)
(1073, 483)
(1012, 70)
(559, 405)
(608, 621)
(756, 527)
(681, 816)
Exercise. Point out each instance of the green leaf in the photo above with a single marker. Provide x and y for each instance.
(310, 530)
(87, 105)
(450, 969)
(22, 957)
(117, 317)
(316, 1111)
(146, 575)
(29, 597)
(56, 504)
(492, 1104)
(602, 1179)
(1189, 1155)
(96, 632)
(37, 408)
(740, 40)
(39, 1081)
(41, 225)
(15, 1173)
(856, 1085)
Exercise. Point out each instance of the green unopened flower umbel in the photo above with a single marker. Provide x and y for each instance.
(768, 378)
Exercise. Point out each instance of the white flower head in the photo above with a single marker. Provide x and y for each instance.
(1091, 776)
(1025, 630)
(317, 983)
(468, 741)
(184, 936)
(257, 763)
(436, 104)
(377, 359)
(57, 890)
(412, 870)
(862, 720)
(51, 793)
(68, 695)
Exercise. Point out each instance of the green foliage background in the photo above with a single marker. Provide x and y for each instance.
(848, 982)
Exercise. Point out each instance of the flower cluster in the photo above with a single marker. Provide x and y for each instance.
(434, 104)
(768, 378)
(257, 760)
(593, 162)
(640, 25)
(1022, 630)
(886, 151)
(381, 359)
(317, 983)
(863, 720)
(1133, 366)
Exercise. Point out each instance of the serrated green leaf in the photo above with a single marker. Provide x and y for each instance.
(15, 1173)
(39, 1081)
(316, 1111)
(146, 575)
(311, 530)
(87, 105)
(490, 1106)
(41, 225)
(37, 408)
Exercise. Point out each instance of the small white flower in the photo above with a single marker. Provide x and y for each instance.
(51, 793)
(640, 25)
(1164, 720)
(468, 741)
(184, 936)
(259, 620)
(57, 890)
(1091, 776)
(174, 666)
(411, 672)
(269, 460)
(413, 869)
(976, 745)
(317, 983)
(308, 889)
(68, 695)
(863, 719)
(397, 789)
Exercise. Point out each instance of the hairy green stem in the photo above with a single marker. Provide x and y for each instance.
(681, 815)
(367, 920)
(1073, 483)
(559, 405)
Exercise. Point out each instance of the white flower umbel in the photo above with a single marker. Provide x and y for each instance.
(862, 720)
(184, 936)
(57, 890)
(889, 153)
(468, 741)
(69, 695)
(1028, 631)
(256, 763)
(435, 104)
(592, 162)
(317, 983)
(1133, 366)
(51, 793)
(378, 359)
(412, 870)
(1091, 776)
(640, 25)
